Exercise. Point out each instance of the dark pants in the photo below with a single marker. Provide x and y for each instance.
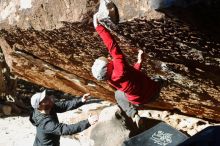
(124, 104)
(129, 108)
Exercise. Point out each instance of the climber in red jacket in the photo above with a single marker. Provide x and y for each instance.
(133, 86)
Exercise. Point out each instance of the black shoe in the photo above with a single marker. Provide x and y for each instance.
(138, 121)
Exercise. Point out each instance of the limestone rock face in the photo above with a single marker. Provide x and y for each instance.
(47, 14)
(62, 67)
(8, 81)
(41, 14)
(61, 58)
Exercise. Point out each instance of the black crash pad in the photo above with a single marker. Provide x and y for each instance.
(161, 134)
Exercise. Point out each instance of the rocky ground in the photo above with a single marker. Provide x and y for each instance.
(18, 131)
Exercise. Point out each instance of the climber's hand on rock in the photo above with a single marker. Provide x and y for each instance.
(140, 56)
(95, 20)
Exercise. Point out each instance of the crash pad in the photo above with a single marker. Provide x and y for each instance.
(161, 134)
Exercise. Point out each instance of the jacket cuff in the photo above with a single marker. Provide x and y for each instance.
(80, 101)
(88, 124)
(99, 28)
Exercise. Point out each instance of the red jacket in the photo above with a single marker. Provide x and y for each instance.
(137, 86)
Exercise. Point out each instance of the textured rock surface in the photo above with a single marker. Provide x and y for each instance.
(8, 82)
(41, 14)
(62, 58)
(102, 133)
(64, 66)
(47, 14)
